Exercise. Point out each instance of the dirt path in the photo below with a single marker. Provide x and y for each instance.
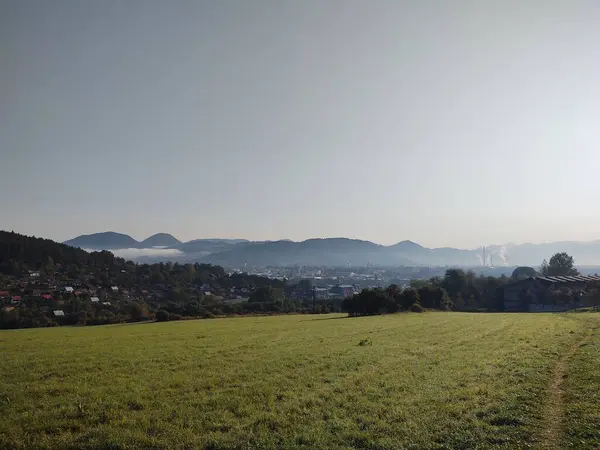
(550, 437)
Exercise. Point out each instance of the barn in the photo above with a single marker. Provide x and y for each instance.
(531, 293)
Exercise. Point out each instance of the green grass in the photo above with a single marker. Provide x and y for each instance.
(433, 380)
(582, 397)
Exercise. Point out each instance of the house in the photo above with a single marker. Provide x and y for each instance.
(114, 288)
(321, 293)
(68, 289)
(15, 299)
(530, 294)
(106, 303)
(58, 313)
(343, 290)
(94, 299)
(47, 297)
(4, 294)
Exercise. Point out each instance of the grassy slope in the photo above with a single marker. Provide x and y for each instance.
(435, 380)
(582, 392)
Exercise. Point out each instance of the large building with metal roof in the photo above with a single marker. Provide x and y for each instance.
(529, 294)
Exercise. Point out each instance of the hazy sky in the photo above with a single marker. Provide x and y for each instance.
(457, 123)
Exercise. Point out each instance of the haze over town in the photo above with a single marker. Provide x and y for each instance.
(457, 125)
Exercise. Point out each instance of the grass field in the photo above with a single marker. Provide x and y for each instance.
(433, 380)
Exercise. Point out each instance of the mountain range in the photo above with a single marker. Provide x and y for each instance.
(337, 251)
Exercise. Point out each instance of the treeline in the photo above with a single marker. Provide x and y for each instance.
(18, 251)
(393, 299)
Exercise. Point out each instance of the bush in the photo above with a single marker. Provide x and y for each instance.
(162, 315)
(416, 307)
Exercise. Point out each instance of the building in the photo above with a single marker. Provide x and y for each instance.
(321, 293)
(343, 290)
(530, 294)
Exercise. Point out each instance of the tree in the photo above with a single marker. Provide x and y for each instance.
(561, 264)
(435, 298)
(266, 294)
(455, 282)
(520, 273)
(409, 297)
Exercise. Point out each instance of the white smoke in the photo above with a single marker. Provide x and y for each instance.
(493, 256)
(479, 258)
(502, 255)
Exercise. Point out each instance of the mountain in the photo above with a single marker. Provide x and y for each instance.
(219, 241)
(160, 240)
(314, 252)
(108, 240)
(341, 252)
(203, 247)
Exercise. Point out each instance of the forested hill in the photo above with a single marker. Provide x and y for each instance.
(44, 283)
(34, 252)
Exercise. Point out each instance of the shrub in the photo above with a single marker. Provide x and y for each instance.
(416, 307)
(162, 315)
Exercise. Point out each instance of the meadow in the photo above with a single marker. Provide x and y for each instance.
(403, 381)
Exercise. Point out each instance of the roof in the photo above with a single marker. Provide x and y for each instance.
(570, 279)
(4, 293)
(94, 299)
(68, 289)
(58, 312)
(16, 297)
(47, 297)
(562, 279)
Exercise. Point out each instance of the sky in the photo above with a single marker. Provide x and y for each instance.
(455, 123)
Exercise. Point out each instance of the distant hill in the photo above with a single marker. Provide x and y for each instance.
(108, 240)
(160, 240)
(340, 252)
(203, 247)
(315, 252)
